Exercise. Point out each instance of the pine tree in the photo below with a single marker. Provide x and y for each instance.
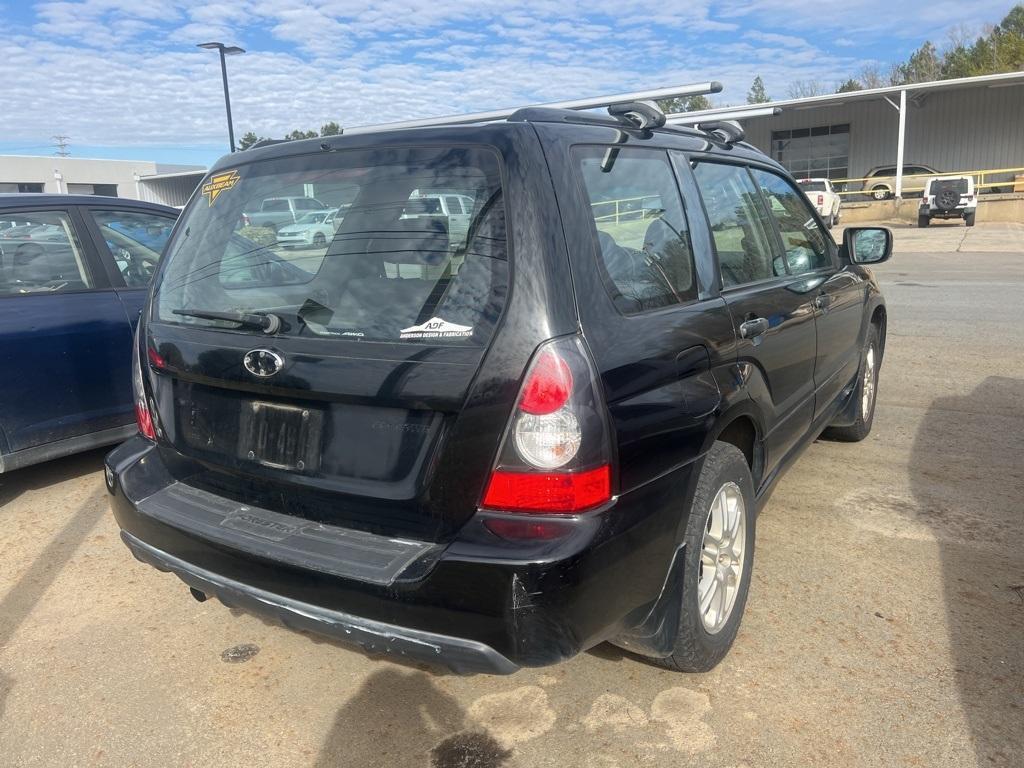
(757, 93)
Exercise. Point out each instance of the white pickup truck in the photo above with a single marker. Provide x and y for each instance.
(824, 199)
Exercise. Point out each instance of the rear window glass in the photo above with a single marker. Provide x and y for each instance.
(812, 186)
(389, 266)
(960, 185)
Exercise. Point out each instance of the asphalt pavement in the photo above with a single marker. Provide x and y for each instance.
(885, 625)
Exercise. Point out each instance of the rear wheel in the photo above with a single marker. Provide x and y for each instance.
(923, 221)
(718, 558)
(969, 219)
(880, 193)
(866, 394)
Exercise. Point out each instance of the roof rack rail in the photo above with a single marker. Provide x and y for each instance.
(596, 102)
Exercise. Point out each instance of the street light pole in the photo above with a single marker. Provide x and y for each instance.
(225, 50)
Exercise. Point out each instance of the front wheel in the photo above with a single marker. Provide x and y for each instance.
(718, 558)
(880, 193)
(866, 394)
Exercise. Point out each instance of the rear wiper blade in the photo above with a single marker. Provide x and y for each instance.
(264, 321)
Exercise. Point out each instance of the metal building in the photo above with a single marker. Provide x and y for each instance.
(170, 184)
(966, 124)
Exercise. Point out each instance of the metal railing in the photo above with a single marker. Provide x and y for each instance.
(863, 186)
(626, 208)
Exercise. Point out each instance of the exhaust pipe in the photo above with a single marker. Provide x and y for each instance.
(201, 597)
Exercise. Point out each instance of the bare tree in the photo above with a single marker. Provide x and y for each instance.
(802, 89)
(871, 77)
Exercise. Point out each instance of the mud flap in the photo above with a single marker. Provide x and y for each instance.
(655, 634)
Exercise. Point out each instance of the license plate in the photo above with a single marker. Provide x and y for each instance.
(280, 436)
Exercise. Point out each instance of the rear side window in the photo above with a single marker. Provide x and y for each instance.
(645, 250)
(390, 266)
(39, 253)
(803, 241)
(135, 240)
(739, 224)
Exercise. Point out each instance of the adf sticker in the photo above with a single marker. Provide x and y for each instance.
(222, 182)
(436, 328)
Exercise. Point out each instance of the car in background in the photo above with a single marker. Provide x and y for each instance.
(948, 197)
(456, 208)
(74, 271)
(880, 182)
(312, 230)
(277, 212)
(824, 198)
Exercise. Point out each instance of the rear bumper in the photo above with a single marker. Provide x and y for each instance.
(475, 604)
(463, 656)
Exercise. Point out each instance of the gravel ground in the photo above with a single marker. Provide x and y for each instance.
(885, 625)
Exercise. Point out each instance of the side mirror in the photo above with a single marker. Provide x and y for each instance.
(867, 245)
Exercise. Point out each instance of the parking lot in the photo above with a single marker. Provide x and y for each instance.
(885, 625)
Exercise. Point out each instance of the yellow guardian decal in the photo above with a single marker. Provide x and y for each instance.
(219, 183)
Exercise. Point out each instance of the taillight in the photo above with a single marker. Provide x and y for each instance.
(143, 417)
(555, 457)
(821, 199)
(246, 221)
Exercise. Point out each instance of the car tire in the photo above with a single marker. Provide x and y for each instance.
(830, 222)
(923, 221)
(866, 393)
(969, 219)
(319, 240)
(703, 637)
(880, 193)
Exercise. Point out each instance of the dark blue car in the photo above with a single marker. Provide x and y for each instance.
(74, 271)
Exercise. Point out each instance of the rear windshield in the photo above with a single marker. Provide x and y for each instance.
(960, 185)
(812, 186)
(395, 268)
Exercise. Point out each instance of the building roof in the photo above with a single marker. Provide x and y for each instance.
(199, 171)
(1003, 80)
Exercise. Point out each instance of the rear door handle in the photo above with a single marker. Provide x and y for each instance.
(751, 329)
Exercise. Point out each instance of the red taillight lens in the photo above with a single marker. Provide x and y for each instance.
(145, 421)
(555, 456)
(542, 492)
(142, 415)
(821, 199)
(548, 386)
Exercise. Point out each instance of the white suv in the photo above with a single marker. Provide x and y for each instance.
(948, 197)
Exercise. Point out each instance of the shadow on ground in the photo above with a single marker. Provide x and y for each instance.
(22, 596)
(967, 474)
(398, 718)
(13, 484)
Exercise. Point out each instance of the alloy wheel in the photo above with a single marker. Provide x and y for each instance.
(722, 558)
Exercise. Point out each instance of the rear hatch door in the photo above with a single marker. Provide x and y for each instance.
(324, 382)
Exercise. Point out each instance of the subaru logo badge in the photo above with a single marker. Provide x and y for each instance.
(262, 362)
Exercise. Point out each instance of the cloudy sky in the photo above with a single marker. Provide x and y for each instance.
(123, 78)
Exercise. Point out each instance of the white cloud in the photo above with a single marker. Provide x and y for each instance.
(126, 72)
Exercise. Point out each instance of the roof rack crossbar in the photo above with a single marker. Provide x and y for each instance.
(707, 116)
(596, 102)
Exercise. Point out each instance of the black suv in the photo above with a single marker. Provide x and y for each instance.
(497, 441)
